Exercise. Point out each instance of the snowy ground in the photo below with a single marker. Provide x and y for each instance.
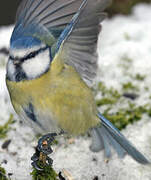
(122, 36)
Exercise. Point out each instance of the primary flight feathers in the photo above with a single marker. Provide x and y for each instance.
(74, 24)
(44, 19)
(79, 48)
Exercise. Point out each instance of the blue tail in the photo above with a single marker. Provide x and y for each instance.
(107, 135)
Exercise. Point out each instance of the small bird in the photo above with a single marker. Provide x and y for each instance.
(50, 71)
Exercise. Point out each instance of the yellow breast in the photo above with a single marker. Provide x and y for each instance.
(60, 92)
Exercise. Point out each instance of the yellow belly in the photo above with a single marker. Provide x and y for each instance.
(60, 94)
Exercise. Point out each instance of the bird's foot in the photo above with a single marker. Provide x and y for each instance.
(45, 142)
(43, 149)
(39, 165)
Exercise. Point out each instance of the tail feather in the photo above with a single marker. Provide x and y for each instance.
(97, 142)
(106, 142)
(119, 149)
(111, 136)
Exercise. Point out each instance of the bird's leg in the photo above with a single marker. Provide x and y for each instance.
(43, 149)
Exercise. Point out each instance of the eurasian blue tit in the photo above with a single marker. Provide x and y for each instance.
(52, 64)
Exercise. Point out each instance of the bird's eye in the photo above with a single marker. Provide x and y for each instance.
(31, 55)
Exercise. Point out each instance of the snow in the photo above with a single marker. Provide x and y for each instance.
(5, 34)
(122, 36)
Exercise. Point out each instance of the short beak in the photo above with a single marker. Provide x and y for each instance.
(16, 62)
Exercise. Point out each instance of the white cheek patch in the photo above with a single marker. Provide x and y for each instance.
(38, 65)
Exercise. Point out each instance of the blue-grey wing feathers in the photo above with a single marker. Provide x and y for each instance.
(50, 13)
(79, 45)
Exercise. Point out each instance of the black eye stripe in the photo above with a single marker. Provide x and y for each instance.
(30, 55)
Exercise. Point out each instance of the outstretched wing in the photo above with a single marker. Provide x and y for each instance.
(78, 47)
(43, 19)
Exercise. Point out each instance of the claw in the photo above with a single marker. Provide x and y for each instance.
(45, 142)
(35, 165)
(48, 137)
(50, 161)
(45, 149)
(35, 157)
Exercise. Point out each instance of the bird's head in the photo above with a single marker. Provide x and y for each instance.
(29, 59)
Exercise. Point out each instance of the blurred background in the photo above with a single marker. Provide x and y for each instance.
(8, 9)
(124, 6)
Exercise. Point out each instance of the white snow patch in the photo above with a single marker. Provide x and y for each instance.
(5, 34)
